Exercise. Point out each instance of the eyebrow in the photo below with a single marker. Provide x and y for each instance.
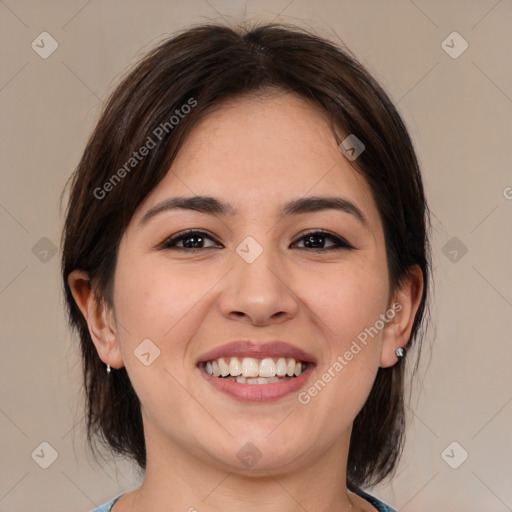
(214, 206)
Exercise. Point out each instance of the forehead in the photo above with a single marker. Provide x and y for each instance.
(258, 152)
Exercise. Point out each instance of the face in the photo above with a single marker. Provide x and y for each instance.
(254, 273)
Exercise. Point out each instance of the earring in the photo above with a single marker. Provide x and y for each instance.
(108, 368)
(400, 352)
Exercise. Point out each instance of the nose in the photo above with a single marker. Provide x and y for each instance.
(259, 293)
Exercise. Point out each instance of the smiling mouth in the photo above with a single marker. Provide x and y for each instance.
(251, 370)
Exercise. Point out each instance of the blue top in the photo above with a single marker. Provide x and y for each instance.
(379, 505)
(106, 506)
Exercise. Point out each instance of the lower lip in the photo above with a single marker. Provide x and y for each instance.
(258, 392)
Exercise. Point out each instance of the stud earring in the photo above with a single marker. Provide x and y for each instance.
(108, 369)
(400, 352)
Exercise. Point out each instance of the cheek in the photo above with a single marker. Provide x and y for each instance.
(349, 304)
(165, 304)
(350, 300)
(152, 300)
(156, 303)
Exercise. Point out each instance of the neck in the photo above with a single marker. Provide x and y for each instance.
(175, 480)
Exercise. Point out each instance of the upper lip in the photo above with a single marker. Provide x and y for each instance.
(258, 350)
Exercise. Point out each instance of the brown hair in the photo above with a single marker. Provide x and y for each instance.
(201, 67)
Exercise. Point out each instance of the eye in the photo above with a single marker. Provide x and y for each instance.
(191, 240)
(316, 241)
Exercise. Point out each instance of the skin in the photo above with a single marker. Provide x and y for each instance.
(256, 153)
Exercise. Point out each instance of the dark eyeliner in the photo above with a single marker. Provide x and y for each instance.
(170, 242)
(341, 244)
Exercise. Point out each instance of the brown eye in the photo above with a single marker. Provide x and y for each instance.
(189, 240)
(317, 240)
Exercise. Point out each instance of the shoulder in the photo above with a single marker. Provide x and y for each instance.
(106, 506)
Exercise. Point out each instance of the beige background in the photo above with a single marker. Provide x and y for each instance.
(459, 112)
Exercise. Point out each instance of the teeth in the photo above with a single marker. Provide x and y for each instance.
(235, 367)
(267, 368)
(250, 369)
(290, 367)
(216, 368)
(224, 368)
(255, 380)
(281, 367)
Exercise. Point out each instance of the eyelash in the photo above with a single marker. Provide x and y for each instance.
(340, 243)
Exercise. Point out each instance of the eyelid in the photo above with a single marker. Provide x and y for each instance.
(340, 243)
(176, 238)
(343, 243)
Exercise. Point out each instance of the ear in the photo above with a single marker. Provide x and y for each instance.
(401, 314)
(99, 318)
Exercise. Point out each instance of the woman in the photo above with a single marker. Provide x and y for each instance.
(245, 258)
